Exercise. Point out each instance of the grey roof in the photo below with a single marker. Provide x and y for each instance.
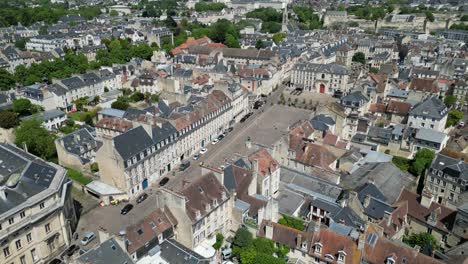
(23, 175)
(175, 253)
(430, 108)
(354, 97)
(346, 216)
(51, 114)
(163, 132)
(324, 119)
(133, 113)
(371, 190)
(73, 83)
(318, 125)
(376, 208)
(385, 175)
(398, 93)
(132, 142)
(430, 135)
(111, 112)
(107, 252)
(454, 167)
(289, 201)
(79, 143)
(57, 89)
(322, 68)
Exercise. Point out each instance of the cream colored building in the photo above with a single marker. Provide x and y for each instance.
(37, 215)
(320, 78)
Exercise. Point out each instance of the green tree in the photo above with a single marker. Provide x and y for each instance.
(203, 6)
(271, 27)
(7, 80)
(88, 119)
(219, 241)
(263, 245)
(113, 13)
(37, 139)
(247, 256)
(359, 57)
(422, 240)
(430, 16)
(43, 30)
(450, 100)
(22, 106)
(464, 18)
(21, 43)
(8, 119)
(292, 222)
(422, 160)
(243, 237)
(137, 97)
(94, 167)
(259, 44)
(278, 37)
(265, 14)
(122, 105)
(373, 70)
(454, 117)
(231, 41)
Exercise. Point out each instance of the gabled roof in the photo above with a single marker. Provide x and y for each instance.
(424, 85)
(456, 168)
(107, 252)
(132, 142)
(430, 108)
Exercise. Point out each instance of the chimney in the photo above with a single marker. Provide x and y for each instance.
(269, 230)
(427, 198)
(362, 241)
(298, 240)
(3, 194)
(366, 201)
(388, 218)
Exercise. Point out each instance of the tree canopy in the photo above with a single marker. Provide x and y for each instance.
(7, 80)
(421, 239)
(422, 160)
(292, 222)
(266, 15)
(8, 119)
(454, 117)
(204, 6)
(308, 19)
(37, 139)
(359, 57)
(450, 100)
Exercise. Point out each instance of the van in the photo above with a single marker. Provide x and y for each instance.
(185, 164)
(227, 253)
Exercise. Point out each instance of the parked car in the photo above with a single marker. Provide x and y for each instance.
(71, 250)
(228, 130)
(215, 141)
(142, 197)
(126, 209)
(203, 150)
(258, 104)
(243, 119)
(196, 156)
(163, 181)
(56, 261)
(185, 164)
(220, 137)
(88, 237)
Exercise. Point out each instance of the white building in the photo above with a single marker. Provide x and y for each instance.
(431, 113)
(320, 78)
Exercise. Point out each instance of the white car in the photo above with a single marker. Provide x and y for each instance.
(203, 150)
(88, 237)
(196, 156)
(215, 141)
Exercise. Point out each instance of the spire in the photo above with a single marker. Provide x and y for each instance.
(284, 27)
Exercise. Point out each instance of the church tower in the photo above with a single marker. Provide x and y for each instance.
(284, 26)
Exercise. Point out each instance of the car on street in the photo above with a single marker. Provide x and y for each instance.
(88, 237)
(243, 119)
(126, 209)
(185, 164)
(142, 197)
(203, 150)
(56, 261)
(196, 156)
(228, 130)
(71, 250)
(215, 141)
(220, 137)
(163, 181)
(258, 104)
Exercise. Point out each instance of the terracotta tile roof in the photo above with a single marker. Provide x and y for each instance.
(384, 248)
(285, 235)
(330, 139)
(399, 108)
(377, 108)
(424, 85)
(112, 123)
(332, 242)
(266, 163)
(156, 223)
(315, 155)
(396, 221)
(200, 193)
(298, 131)
(444, 216)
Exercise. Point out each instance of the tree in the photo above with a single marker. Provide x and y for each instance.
(22, 106)
(450, 100)
(430, 16)
(292, 222)
(243, 237)
(122, 105)
(219, 241)
(422, 159)
(373, 70)
(94, 167)
(263, 245)
(43, 30)
(278, 37)
(422, 240)
(8, 119)
(7, 80)
(137, 97)
(464, 18)
(88, 119)
(454, 117)
(231, 41)
(37, 139)
(359, 57)
(21, 43)
(113, 13)
(203, 6)
(259, 44)
(271, 27)
(247, 256)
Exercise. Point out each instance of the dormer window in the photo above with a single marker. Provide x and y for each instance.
(215, 202)
(341, 256)
(318, 248)
(304, 245)
(390, 260)
(198, 214)
(207, 207)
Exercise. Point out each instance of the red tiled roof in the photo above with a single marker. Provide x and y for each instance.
(266, 163)
(377, 108)
(332, 243)
(399, 108)
(315, 155)
(424, 85)
(330, 139)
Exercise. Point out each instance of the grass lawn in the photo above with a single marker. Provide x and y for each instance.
(77, 116)
(78, 176)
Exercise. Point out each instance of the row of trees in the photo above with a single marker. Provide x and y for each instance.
(22, 13)
(307, 17)
(422, 160)
(459, 26)
(204, 6)
(271, 19)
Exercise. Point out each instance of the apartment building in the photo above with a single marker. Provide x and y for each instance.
(202, 209)
(320, 78)
(431, 113)
(37, 215)
(157, 144)
(447, 179)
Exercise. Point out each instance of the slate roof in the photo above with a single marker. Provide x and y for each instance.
(322, 68)
(353, 98)
(175, 253)
(80, 142)
(51, 114)
(430, 108)
(430, 135)
(107, 252)
(454, 167)
(132, 142)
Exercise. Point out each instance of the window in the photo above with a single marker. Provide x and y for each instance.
(29, 237)
(41, 205)
(11, 221)
(33, 255)
(47, 228)
(18, 244)
(23, 260)
(22, 214)
(318, 248)
(6, 252)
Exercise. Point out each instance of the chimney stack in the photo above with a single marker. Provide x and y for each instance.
(366, 201)
(298, 240)
(269, 230)
(388, 218)
(427, 198)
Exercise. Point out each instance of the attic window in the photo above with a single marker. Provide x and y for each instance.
(140, 232)
(152, 224)
(113, 247)
(200, 189)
